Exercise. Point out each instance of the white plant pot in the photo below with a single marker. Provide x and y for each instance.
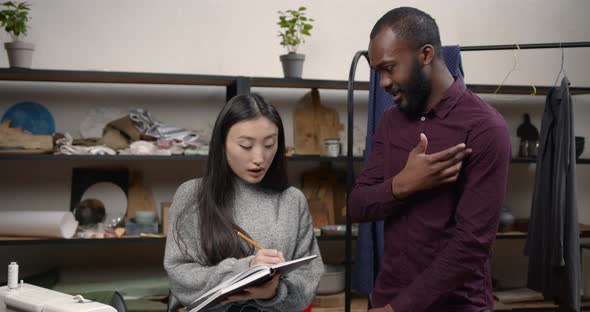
(20, 54)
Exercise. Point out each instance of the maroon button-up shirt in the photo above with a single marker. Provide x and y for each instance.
(438, 242)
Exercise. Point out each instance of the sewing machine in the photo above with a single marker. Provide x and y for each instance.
(31, 298)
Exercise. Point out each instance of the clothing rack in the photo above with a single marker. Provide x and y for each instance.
(554, 45)
(350, 111)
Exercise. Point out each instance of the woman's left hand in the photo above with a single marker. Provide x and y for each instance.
(264, 291)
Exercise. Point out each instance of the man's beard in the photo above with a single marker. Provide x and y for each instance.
(416, 93)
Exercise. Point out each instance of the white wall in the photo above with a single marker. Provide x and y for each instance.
(240, 38)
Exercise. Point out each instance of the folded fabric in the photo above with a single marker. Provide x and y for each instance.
(144, 148)
(83, 150)
(64, 146)
(145, 123)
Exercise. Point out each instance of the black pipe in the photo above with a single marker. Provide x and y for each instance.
(350, 177)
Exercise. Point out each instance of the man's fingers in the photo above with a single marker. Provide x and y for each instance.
(451, 171)
(447, 154)
(450, 179)
(444, 165)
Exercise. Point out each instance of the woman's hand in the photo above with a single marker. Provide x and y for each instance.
(264, 291)
(267, 257)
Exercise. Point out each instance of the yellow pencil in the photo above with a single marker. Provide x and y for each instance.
(246, 238)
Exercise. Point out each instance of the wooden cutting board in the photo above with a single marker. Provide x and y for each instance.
(18, 137)
(317, 188)
(139, 197)
(326, 195)
(313, 123)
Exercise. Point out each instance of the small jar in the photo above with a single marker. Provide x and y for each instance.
(332, 147)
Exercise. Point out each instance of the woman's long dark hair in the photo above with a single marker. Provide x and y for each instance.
(215, 193)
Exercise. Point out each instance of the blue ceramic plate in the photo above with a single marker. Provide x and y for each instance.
(32, 117)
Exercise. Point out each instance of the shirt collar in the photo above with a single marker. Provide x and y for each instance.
(446, 104)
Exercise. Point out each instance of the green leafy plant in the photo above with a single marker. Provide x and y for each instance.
(294, 26)
(14, 18)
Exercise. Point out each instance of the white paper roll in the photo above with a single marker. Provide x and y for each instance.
(60, 224)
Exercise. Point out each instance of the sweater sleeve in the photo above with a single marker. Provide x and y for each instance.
(297, 289)
(188, 279)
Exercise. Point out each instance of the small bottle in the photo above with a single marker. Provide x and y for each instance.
(13, 275)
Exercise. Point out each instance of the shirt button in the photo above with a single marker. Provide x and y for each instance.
(422, 118)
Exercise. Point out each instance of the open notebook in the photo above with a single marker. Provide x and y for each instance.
(255, 275)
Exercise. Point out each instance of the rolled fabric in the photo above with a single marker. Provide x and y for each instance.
(61, 224)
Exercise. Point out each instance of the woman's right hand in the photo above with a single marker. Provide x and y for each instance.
(267, 257)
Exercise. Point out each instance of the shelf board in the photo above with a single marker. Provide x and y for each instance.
(4, 241)
(61, 241)
(7, 241)
(51, 75)
(322, 158)
(520, 160)
(523, 235)
(333, 238)
(203, 157)
(584, 233)
(47, 75)
(305, 83)
(153, 157)
(97, 157)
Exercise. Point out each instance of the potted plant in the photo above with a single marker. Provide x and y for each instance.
(13, 18)
(294, 26)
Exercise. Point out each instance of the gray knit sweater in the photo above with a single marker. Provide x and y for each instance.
(275, 220)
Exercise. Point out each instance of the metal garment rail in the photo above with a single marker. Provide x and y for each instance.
(525, 46)
(350, 111)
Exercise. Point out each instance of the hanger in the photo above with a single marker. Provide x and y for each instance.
(561, 70)
(514, 52)
(514, 67)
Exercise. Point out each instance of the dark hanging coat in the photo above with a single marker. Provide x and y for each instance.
(553, 243)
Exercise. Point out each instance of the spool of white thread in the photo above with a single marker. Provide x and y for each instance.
(13, 275)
